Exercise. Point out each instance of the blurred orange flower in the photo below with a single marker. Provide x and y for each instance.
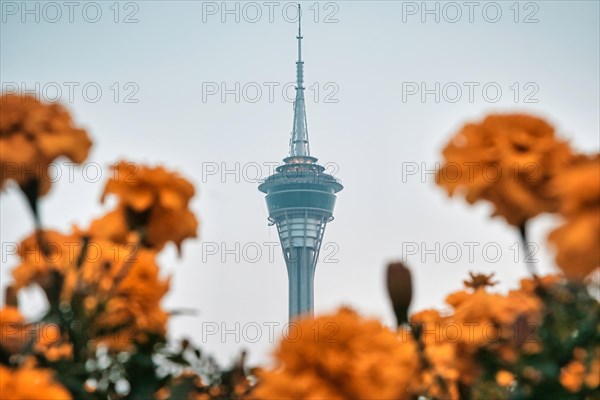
(111, 226)
(17, 335)
(32, 135)
(478, 320)
(592, 379)
(29, 383)
(153, 201)
(508, 160)
(118, 285)
(576, 241)
(57, 253)
(446, 362)
(341, 356)
(133, 306)
(11, 325)
(546, 282)
(122, 289)
(504, 378)
(582, 371)
(571, 376)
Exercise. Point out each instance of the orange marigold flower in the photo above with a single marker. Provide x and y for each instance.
(123, 291)
(456, 298)
(508, 353)
(29, 383)
(298, 387)
(576, 241)
(11, 326)
(17, 335)
(486, 317)
(56, 254)
(11, 315)
(572, 375)
(139, 294)
(111, 226)
(582, 370)
(346, 357)
(504, 378)
(478, 320)
(47, 336)
(530, 285)
(592, 379)
(119, 285)
(62, 351)
(429, 316)
(153, 201)
(32, 135)
(507, 160)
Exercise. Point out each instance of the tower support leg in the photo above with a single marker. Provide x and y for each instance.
(301, 272)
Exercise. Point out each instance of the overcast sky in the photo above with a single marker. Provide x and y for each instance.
(200, 89)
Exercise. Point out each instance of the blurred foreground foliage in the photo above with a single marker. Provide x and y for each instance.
(104, 333)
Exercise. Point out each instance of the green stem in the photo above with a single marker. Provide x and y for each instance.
(31, 190)
(527, 252)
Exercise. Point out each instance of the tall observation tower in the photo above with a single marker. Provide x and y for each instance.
(300, 200)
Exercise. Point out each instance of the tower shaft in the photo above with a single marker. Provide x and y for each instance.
(301, 234)
(301, 274)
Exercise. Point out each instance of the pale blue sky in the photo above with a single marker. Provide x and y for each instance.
(171, 54)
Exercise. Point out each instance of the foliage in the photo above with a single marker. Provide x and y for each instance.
(104, 334)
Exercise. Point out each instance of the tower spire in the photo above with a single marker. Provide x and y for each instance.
(299, 140)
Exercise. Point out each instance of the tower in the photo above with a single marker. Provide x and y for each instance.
(300, 199)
